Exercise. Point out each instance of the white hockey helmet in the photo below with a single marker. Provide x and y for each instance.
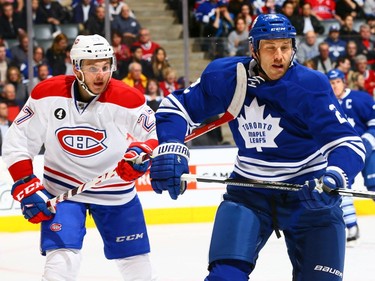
(91, 47)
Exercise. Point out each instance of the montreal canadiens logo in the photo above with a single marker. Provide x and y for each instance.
(81, 141)
(55, 227)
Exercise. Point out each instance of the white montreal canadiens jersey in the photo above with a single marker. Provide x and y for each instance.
(82, 141)
(286, 129)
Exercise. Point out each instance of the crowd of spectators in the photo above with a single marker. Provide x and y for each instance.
(329, 36)
(328, 32)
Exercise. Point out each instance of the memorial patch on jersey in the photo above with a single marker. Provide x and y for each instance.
(258, 132)
(81, 141)
(60, 113)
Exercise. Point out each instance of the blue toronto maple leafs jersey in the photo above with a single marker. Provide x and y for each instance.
(359, 108)
(287, 130)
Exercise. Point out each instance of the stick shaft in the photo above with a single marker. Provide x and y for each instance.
(272, 185)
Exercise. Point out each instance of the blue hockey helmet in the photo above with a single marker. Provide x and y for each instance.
(271, 26)
(335, 74)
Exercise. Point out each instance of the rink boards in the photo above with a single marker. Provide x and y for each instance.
(198, 204)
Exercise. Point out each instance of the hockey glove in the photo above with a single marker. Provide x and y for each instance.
(33, 197)
(135, 162)
(170, 161)
(319, 194)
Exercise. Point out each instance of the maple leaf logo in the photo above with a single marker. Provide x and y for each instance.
(256, 131)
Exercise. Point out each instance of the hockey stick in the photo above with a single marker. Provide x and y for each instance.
(274, 185)
(232, 112)
(234, 107)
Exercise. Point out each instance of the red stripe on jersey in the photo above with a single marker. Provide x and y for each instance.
(65, 176)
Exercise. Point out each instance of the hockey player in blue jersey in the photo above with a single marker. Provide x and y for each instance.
(290, 129)
(359, 108)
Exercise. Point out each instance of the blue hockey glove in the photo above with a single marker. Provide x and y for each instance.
(170, 161)
(319, 194)
(136, 160)
(33, 197)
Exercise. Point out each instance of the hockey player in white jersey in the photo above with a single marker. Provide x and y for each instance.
(86, 122)
(359, 109)
(290, 129)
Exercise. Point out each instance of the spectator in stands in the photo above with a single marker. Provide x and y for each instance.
(56, 54)
(9, 93)
(51, 12)
(310, 63)
(121, 50)
(96, 23)
(82, 12)
(128, 26)
(238, 42)
(43, 73)
(234, 7)
(346, 31)
(18, 5)
(11, 23)
(336, 44)
(68, 61)
(19, 51)
(135, 78)
(307, 22)
(270, 7)
(343, 64)
(356, 81)
(115, 7)
(135, 56)
(322, 61)
(368, 74)
(38, 58)
(369, 9)
(323, 10)
(153, 94)
(4, 63)
(214, 21)
(366, 45)
(15, 78)
(247, 12)
(287, 9)
(308, 48)
(4, 121)
(34, 8)
(169, 84)
(159, 62)
(348, 7)
(351, 51)
(144, 41)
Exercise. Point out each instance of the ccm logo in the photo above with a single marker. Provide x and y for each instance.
(29, 190)
(131, 237)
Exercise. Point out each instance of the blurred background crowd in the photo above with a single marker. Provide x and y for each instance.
(331, 34)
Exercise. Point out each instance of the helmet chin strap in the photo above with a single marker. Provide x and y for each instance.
(84, 85)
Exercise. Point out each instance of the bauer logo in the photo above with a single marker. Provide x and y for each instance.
(328, 269)
(131, 237)
(81, 141)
